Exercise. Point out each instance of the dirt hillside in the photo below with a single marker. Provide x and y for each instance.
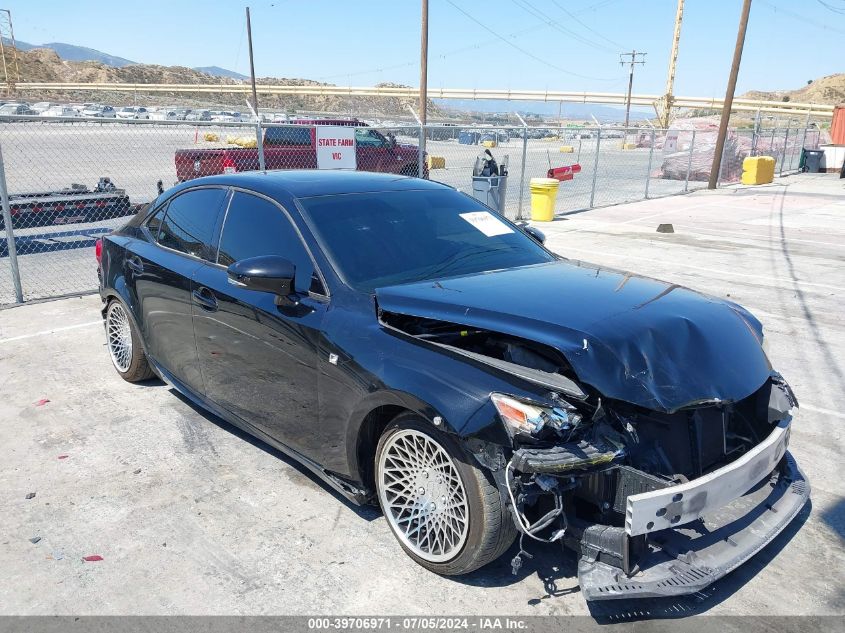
(44, 65)
(828, 90)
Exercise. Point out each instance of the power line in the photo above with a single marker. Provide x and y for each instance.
(531, 9)
(572, 15)
(800, 17)
(444, 55)
(463, 49)
(830, 8)
(525, 52)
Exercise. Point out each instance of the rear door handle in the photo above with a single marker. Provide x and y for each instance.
(205, 298)
(135, 264)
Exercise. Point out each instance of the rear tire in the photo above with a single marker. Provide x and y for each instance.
(443, 509)
(124, 344)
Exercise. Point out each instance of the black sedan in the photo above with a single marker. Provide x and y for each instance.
(413, 347)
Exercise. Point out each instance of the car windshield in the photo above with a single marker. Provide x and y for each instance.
(388, 238)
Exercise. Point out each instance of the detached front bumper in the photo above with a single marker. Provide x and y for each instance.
(688, 558)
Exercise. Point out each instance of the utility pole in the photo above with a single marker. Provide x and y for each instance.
(729, 96)
(666, 101)
(424, 62)
(632, 62)
(251, 65)
(7, 33)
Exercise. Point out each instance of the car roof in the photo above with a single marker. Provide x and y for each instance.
(306, 183)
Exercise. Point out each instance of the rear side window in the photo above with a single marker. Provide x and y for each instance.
(369, 138)
(188, 225)
(154, 222)
(254, 227)
(288, 136)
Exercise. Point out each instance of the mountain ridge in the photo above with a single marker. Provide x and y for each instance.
(44, 65)
(75, 53)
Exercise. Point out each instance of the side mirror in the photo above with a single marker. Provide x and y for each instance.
(536, 233)
(267, 273)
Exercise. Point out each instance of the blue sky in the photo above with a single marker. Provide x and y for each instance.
(552, 44)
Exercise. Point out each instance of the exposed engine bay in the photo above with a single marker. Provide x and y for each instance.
(579, 460)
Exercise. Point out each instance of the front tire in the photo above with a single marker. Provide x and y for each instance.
(124, 344)
(442, 508)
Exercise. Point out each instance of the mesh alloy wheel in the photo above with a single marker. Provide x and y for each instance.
(119, 337)
(422, 496)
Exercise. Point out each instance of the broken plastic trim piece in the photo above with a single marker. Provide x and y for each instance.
(556, 382)
(537, 376)
(563, 459)
(546, 379)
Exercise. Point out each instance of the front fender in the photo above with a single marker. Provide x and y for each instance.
(389, 370)
(392, 399)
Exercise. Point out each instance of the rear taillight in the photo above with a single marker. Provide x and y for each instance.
(98, 251)
(228, 165)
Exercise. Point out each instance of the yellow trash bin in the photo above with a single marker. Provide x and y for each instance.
(758, 170)
(543, 195)
(436, 162)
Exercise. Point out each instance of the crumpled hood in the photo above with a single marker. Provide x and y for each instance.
(632, 338)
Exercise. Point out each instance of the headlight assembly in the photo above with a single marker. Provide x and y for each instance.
(529, 418)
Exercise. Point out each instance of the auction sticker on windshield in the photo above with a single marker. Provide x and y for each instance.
(487, 223)
(336, 147)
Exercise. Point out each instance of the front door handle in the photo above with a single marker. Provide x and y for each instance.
(205, 298)
(135, 265)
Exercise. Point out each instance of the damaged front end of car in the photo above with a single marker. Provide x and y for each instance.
(656, 502)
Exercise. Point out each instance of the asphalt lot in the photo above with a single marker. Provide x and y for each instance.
(192, 517)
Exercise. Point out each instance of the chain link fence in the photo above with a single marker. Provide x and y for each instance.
(66, 182)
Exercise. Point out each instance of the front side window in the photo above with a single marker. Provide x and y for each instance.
(255, 226)
(188, 225)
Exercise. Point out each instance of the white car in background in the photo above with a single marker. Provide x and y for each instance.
(14, 109)
(225, 116)
(41, 106)
(163, 114)
(133, 112)
(65, 112)
(99, 111)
